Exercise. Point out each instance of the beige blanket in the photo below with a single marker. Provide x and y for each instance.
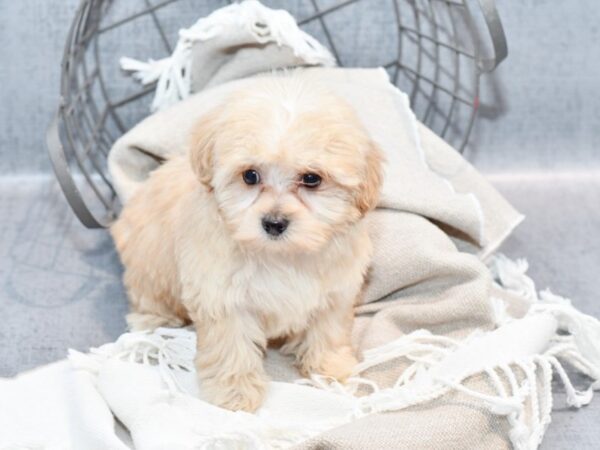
(438, 219)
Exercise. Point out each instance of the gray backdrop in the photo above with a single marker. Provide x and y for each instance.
(537, 138)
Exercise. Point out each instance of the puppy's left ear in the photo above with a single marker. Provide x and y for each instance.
(201, 147)
(370, 187)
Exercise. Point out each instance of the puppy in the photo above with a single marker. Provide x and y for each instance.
(256, 234)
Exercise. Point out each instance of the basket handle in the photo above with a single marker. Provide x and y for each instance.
(496, 31)
(65, 178)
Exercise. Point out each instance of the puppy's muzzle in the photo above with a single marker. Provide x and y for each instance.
(274, 225)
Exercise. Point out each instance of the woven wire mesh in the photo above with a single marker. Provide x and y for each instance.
(432, 50)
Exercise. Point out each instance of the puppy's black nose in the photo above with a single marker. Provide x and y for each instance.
(274, 225)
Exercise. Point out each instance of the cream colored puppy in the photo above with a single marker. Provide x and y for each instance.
(256, 235)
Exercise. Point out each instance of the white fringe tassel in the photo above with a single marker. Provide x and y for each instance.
(580, 349)
(170, 349)
(265, 25)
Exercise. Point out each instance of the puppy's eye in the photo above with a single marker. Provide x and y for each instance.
(251, 177)
(311, 180)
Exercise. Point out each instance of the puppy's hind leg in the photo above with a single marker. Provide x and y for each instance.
(148, 321)
(149, 314)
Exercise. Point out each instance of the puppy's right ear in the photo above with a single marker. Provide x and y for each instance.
(202, 144)
(372, 178)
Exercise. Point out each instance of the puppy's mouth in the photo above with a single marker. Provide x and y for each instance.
(279, 236)
(275, 238)
(271, 238)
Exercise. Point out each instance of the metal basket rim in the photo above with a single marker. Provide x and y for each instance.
(56, 149)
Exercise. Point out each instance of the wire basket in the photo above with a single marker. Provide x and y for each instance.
(433, 50)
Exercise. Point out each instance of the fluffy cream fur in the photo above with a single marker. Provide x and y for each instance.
(194, 249)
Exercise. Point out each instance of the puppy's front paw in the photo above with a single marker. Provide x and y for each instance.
(337, 363)
(241, 392)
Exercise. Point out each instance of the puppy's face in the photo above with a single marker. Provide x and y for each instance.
(289, 166)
